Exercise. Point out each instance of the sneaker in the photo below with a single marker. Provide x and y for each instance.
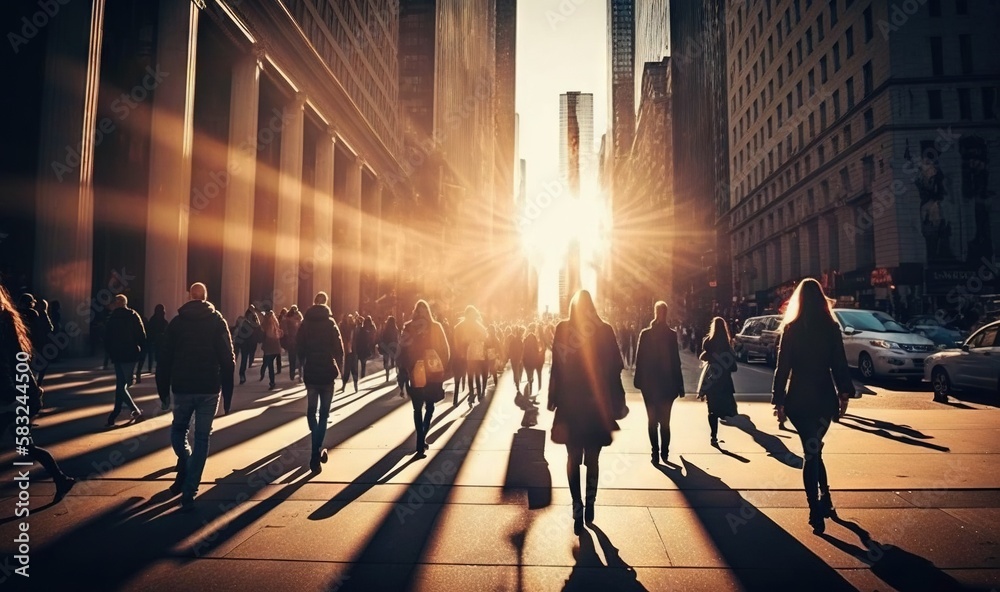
(137, 416)
(314, 465)
(187, 504)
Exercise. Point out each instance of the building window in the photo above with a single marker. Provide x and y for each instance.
(868, 172)
(798, 94)
(869, 78)
(779, 116)
(822, 115)
(848, 138)
(989, 101)
(812, 126)
(850, 93)
(823, 74)
(849, 38)
(935, 109)
(836, 57)
(937, 57)
(798, 52)
(935, 6)
(834, 240)
(812, 82)
(781, 77)
(833, 13)
(845, 180)
(809, 166)
(801, 131)
(869, 25)
(821, 155)
(820, 34)
(836, 104)
(964, 104)
(796, 255)
(798, 170)
(869, 120)
(864, 245)
(809, 40)
(965, 53)
(835, 144)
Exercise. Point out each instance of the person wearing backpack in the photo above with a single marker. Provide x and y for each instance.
(424, 354)
(321, 352)
(470, 338)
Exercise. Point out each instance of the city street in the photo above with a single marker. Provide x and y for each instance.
(917, 486)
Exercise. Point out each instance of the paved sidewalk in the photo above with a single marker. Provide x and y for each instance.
(918, 493)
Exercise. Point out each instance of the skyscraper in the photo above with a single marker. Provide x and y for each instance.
(621, 83)
(506, 120)
(577, 161)
(652, 38)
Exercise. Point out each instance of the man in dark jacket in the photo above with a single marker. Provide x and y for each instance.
(321, 351)
(658, 376)
(123, 339)
(196, 362)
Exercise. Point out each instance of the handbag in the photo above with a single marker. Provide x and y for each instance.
(703, 378)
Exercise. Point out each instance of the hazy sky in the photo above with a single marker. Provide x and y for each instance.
(561, 46)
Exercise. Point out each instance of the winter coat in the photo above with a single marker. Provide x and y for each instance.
(417, 337)
(155, 327)
(271, 346)
(364, 341)
(388, 341)
(658, 364)
(196, 354)
(811, 371)
(290, 329)
(585, 385)
(533, 354)
(319, 347)
(717, 385)
(124, 336)
(246, 334)
(470, 340)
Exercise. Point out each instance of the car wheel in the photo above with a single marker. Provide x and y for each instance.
(866, 366)
(941, 383)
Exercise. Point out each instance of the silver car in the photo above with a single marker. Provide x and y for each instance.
(878, 346)
(976, 366)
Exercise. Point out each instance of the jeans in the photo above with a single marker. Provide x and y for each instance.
(293, 360)
(811, 431)
(268, 365)
(422, 425)
(350, 369)
(192, 463)
(658, 416)
(318, 397)
(123, 375)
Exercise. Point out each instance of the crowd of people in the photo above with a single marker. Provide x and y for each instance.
(195, 355)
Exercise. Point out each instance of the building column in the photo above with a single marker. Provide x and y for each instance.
(379, 249)
(64, 235)
(286, 255)
(323, 212)
(241, 169)
(352, 248)
(172, 131)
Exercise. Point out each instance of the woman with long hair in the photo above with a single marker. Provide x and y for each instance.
(271, 346)
(15, 351)
(717, 377)
(423, 355)
(587, 395)
(812, 386)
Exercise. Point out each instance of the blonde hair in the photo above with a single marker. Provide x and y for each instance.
(809, 303)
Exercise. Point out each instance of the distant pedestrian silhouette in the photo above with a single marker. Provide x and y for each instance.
(125, 337)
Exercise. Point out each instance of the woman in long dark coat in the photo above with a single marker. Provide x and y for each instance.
(812, 385)
(658, 376)
(420, 335)
(717, 381)
(586, 393)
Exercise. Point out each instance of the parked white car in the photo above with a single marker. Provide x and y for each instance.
(878, 346)
(975, 366)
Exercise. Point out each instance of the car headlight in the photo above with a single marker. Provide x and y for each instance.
(884, 344)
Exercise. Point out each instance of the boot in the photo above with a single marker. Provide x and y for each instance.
(577, 516)
(591, 496)
(654, 444)
(816, 515)
(314, 462)
(826, 506)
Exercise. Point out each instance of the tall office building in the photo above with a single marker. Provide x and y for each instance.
(621, 85)
(700, 147)
(860, 150)
(577, 160)
(652, 39)
(506, 119)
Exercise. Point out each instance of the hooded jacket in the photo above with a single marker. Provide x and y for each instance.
(319, 347)
(196, 357)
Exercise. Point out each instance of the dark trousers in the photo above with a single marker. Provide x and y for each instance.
(658, 418)
(476, 375)
(580, 455)
(246, 359)
(318, 401)
(811, 431)
(123, 375)
(350, 369)
(422, 414)
(268, 365)
(293, 362)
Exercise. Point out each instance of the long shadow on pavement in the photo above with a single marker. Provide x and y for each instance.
(895, 566)
(885, 429)
(761, 554)
(775, 448)
(590, 574)
(389, 558)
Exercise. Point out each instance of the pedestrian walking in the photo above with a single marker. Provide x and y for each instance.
(364, 343)
(533, 355)
(321, 351)
(716, 382)
(515, 354)
(493, 355)
(812, 386)
(587, 395)
(459, 361)
(388, 345)
(470, 338)
(658, 377)
(271, 346)
(280, 316)
(289, 333)
(246, 336)
(15, 360)
(196, 365)
(155, 326)
(424, 354)
(348, 329)
(40, 333)
(124, 337)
